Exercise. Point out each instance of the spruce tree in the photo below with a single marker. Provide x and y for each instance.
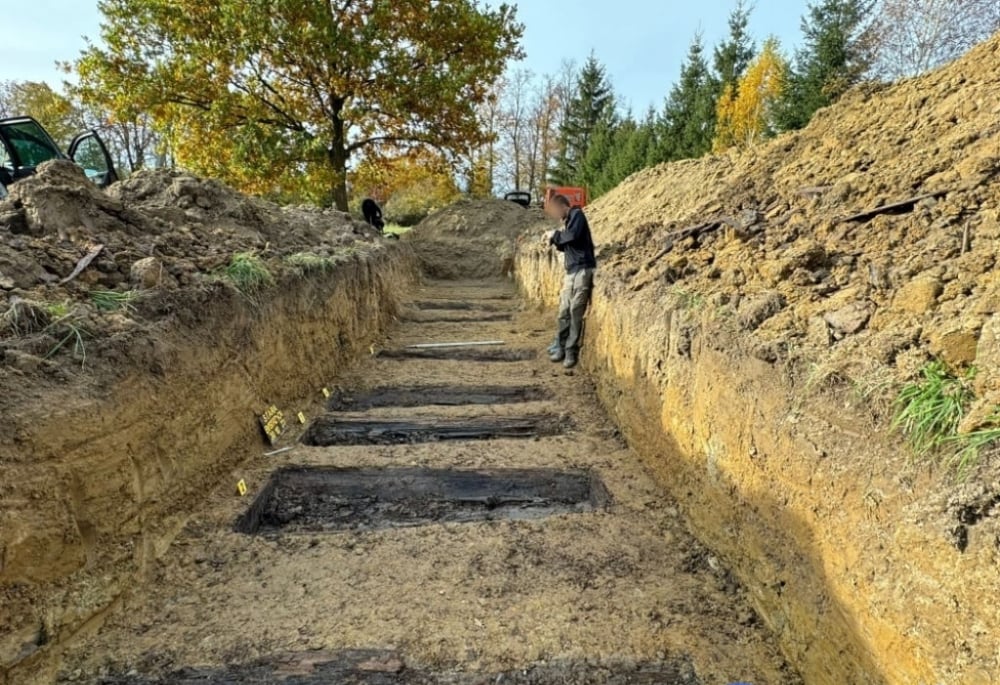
(592, 105)
(835, 56)
(733, 55)
(689, 116)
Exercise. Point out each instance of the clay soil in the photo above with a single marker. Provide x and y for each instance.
(622, 594)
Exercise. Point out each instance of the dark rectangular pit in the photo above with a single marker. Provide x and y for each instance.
(471, 318)
(455, 305)
(462, 354)
(324, 499)
(330, 429)
(374, 667)
(436, 395)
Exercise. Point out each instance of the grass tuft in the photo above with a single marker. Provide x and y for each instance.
(113, 301)
(929, 410)
(310, 262)
(970, 447)
(248, 273)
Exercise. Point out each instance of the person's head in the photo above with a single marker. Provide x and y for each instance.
(560, 206)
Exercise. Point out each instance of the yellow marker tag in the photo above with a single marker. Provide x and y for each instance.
(372, 350)
(241, 487)
(326, 393)
(273, 423)
(302, 417)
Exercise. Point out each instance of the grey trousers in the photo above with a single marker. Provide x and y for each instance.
(573, 305)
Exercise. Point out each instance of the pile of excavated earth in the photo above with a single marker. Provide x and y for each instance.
(83, 270)
(472, 238)
(864, 245)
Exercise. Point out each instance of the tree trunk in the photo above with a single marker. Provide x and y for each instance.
(338, 163)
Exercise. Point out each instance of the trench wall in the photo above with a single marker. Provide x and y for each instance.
(817, 514)
(99, 486)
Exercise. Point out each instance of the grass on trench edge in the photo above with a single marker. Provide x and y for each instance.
(248, 273)
(113, 300)
(930, 410)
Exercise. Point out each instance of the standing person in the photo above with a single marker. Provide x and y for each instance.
(577, 246)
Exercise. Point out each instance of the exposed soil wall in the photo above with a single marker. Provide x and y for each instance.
(101, 477)
(749, 365)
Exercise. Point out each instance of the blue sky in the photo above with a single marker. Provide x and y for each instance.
(642, 42)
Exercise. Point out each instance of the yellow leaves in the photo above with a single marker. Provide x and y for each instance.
(745, 114)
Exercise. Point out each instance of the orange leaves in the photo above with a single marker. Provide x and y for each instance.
(745, 115)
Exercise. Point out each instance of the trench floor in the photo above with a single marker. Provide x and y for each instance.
(388, 578)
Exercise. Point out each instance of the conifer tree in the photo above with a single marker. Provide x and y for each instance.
(836, 56)
(689, 116)
(591, 107)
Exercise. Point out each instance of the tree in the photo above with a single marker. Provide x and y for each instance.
(56, 112)
(591, 105)
(733, 56)
(515, 125)
(689, 115)
(296, 88)
(543, 132)
(914, 36)
(836, 55)
(746, 111)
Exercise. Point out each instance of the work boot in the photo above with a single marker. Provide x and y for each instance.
(555, 348)
(556, 355)
(570, 359)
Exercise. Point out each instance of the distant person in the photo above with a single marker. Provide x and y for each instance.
(373, 214)
(577, 246)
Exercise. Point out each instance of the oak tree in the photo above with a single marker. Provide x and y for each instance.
(286, 92)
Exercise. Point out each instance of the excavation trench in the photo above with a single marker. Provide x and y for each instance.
(480, 517)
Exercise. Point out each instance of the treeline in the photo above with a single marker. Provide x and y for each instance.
(312, 101)
(570, 129)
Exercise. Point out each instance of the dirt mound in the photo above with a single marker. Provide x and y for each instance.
(472, 238)
(77, 263)
(797, 248)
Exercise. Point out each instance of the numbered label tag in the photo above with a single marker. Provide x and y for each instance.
(326, 393)
(273, 423)
(241, 487)
(302, 417)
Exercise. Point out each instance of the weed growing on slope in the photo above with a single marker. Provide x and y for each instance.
(113, 301)
(310, 262)
(248, 273)
(929, 410)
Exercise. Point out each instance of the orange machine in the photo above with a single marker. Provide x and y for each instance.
(577, 196)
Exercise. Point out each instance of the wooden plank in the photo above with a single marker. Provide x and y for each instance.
(902, 206)
(83, 264)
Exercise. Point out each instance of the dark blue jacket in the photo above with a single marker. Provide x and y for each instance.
(575, 243)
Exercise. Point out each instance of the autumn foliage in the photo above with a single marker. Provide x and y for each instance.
(745, 112)
(286, 93)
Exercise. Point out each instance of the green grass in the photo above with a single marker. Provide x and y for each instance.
(396, 229)
(57, 310)
(310, 262)
(248, 273)
(113, 301)
(929, 410)
(73, 335)
(969, 447)
(688, 299)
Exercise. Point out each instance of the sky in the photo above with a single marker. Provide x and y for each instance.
(642, 43)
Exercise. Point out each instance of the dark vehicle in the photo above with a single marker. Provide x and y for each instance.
(521, 197)
(24, 145)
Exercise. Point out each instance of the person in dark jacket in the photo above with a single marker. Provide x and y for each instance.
(577, 246)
